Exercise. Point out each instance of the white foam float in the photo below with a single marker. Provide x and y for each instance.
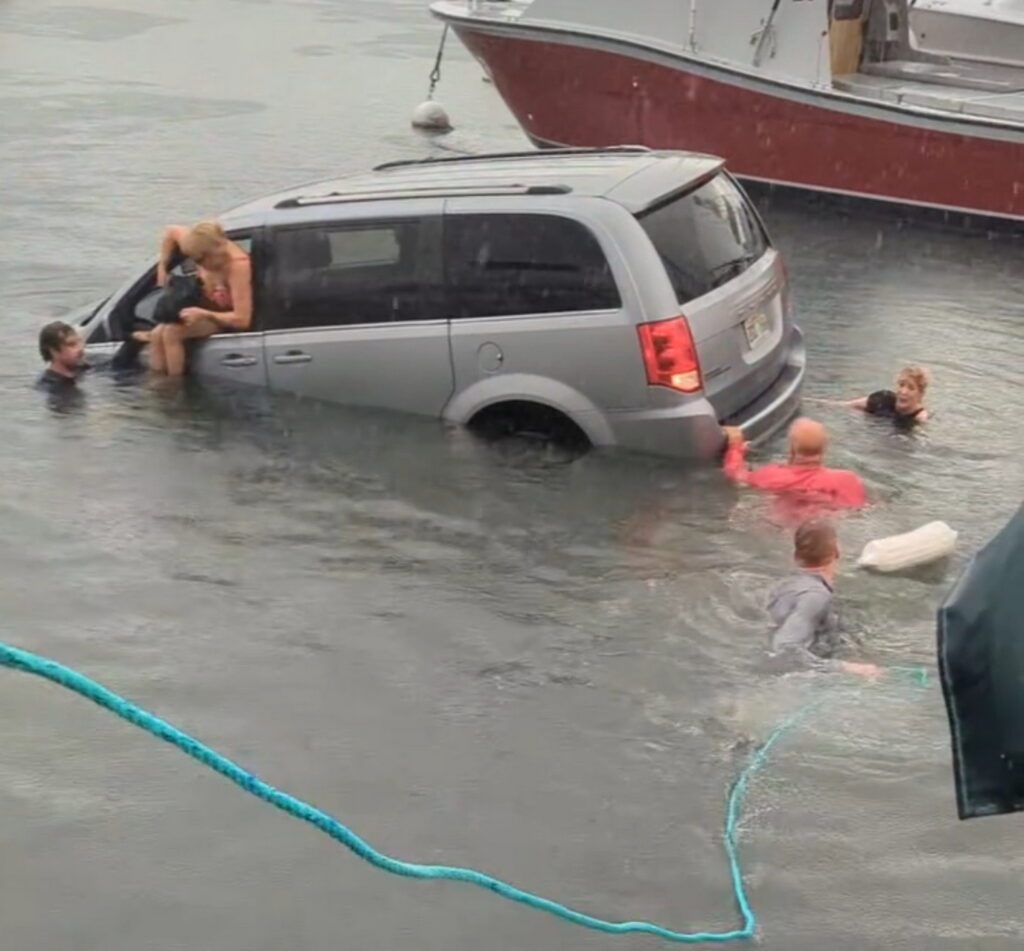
(898, 552)
(431, 115)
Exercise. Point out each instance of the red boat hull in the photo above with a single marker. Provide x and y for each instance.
(568, 91)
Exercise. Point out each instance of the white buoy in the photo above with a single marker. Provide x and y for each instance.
(431, 115)
(897, 552)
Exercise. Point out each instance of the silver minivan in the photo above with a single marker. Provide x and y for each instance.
(623, 296)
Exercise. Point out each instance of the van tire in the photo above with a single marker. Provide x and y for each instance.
(523, 419)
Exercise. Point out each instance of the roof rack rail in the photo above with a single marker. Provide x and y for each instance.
(452, 191)
(495, 156)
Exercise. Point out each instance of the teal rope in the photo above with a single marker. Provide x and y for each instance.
(72, 680)
(918, 674)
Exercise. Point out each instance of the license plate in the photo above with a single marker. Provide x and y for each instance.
(755, 327)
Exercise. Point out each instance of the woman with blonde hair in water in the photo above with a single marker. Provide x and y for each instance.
(904, 405)
(225, 272)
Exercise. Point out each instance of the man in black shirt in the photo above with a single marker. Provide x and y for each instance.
(63, 352)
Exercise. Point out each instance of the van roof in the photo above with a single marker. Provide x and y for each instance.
(632, 176)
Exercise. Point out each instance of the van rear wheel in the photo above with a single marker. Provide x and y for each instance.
(533, 422)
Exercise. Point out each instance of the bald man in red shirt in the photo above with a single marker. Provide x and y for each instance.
(805, 474)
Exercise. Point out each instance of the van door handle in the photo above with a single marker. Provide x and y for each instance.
(293, 356)
(238, 360)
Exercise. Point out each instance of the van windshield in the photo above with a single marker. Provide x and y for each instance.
(705, 237)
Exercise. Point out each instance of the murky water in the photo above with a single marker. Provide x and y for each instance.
(479, 656)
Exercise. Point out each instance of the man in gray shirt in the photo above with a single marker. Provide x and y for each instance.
(801, 606)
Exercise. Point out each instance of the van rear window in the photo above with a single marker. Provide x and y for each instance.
(705, 237)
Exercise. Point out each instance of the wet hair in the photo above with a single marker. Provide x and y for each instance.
(814, 543)
(203, 238)
(52, 337)
(918, 376)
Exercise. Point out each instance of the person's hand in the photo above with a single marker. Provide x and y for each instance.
(734, 435)
(161, 274)
(871, 671)
(189, 315)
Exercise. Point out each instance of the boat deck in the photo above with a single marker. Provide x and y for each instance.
(972, 89)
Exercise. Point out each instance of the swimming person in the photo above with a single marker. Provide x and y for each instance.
(63, 352)
(225, 271)
(904, 405)
(804, 475)
(802, 607)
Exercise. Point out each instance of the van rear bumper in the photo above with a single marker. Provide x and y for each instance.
(777, 405)
(691, 430)
(688, 431)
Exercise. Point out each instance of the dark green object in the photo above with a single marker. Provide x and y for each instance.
(981, 663)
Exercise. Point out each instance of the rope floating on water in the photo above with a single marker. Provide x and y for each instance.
(70, 679)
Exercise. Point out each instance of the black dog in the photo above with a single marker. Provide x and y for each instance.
(178, 293)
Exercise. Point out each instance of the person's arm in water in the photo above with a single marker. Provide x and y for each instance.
(734, 464)
(881, 402)
(860, 403)
(170, 242)
(885, 403)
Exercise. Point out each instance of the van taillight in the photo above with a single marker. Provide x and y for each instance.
(670, 357)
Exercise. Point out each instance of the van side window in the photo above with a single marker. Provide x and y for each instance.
(706, 237)
(504, 264)
(362, 272)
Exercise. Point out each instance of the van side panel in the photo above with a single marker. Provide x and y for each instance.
(594, 352)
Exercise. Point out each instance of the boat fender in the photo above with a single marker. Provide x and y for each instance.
(897, 552)
(431, 115)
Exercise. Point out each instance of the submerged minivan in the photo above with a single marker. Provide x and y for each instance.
(627, 297)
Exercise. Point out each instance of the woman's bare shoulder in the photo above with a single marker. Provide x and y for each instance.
(240, 263)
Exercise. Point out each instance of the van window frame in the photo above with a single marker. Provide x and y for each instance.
(148, 277)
